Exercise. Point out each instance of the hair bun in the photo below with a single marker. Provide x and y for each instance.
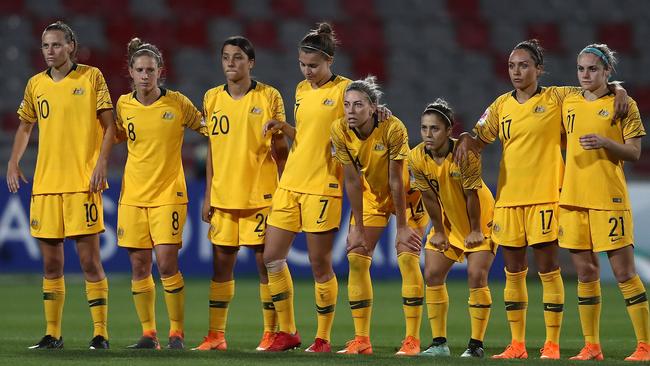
(133, 45)
(324, 28)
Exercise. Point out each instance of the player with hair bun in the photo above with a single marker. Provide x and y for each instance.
(70, 102)
(153, 201)
(595, 212)
(460, 206)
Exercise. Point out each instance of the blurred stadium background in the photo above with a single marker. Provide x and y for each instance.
(419, 49)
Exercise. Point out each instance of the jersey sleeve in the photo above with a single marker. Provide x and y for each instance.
(487, 127)
(398, 141)
(632, 125)
(559, 93)
(101, 90)
(27, 110)
(192, 118)
(470, 172)
(418, 179)
(338, 143)
(119, 121)
(277, 106)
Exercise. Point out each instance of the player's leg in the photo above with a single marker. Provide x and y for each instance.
(360, 294)
(143, 289)
(546, 259)
(174, 287)
(588, 269)
(622, 262)
(480, 299)
(436, 267)
(269, 316)
(412, 296)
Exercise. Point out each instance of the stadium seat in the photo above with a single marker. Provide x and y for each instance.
(548, 34)
(288, 8)
(253, 9)
(263, 33)
(619, 37)
(473, 35)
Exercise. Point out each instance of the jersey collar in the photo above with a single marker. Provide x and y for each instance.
(452, 146)
(163, 92)
(253, 86)
(537, 91)
(49, 70)
(376, 120)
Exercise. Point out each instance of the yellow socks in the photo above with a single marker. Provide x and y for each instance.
(53, 299)
(360, 293)
(479, 302)
(175, 299)
(412, 292)
(144, 297)
(97, 295)
(281, 288)
(326, 294)
(553, 298)
(268, 309)
(437, 308)
(515, 296)
(637, 306)
(589, 310)
(221, 293)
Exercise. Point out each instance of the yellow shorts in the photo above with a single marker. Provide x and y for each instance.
(519, 226)
(416, 216)
(457, 251)
(144, 227)
(238, 227)
(295, 211)
(596, 230)
(57, 216)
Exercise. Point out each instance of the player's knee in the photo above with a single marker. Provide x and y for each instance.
(623, 274)
(321, 267)
(275, 266)
(167, 268)
(434, 277)
(53, 269)
(516, 267)
(477, 277)
(588, 272)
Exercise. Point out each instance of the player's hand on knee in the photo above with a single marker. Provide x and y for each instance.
(356, 239)
(409, 239)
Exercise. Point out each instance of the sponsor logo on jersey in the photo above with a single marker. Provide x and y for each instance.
(268, 196)
(603, 113)
(539, 109)
(168, 115)
(379, 147)
(333, 185)
(78, 91)
(256, 110)
(328, 102)
(617, 200)
(179, 194)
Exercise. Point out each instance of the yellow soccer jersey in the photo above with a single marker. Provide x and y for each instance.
(310, 167)
(153, 175)
(245, 174)
(69, 133)
(388, 141)
(449, 181)
(593, 179)
(531, 165)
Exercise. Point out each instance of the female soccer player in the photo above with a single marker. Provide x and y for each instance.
(528, 123)
(595, 213)
(153, 201)
(309, 195)
(373, 156)
(69, 178)
(459, 191)
(242, 172)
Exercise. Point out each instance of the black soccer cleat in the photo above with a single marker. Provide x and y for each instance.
(99, 342)
(473, 352)
(48, 342)
(146, 343)
(175, 342)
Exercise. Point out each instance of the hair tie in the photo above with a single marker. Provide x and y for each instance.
(316, 49)
(434, 109)
(598, 53)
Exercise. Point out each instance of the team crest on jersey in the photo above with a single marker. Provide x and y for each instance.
(539, 109)
(328, 102)
(35, 224)
(120, 232)
(78, 91)
(256, 110)
(454, 174)
(379, 147)
(603, 113)
(168, 115)
(483, 119)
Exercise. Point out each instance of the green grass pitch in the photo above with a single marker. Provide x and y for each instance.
(21, 319)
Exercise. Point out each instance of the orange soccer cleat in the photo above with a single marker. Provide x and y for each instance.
(360, 345)
(410, 347)
(590, 351)
(214, 341)
(642, 353)
(284, 342)
(266, 341)
(320, 345)
(513, 350)
(550, 351)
